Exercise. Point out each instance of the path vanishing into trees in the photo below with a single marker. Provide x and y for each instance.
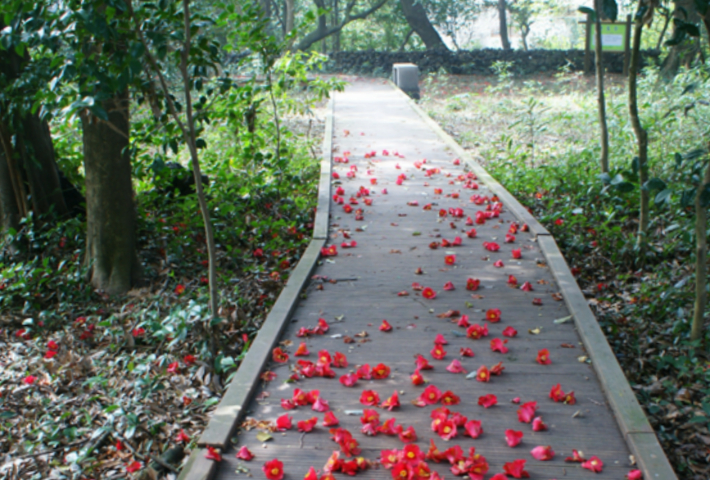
(417, 220)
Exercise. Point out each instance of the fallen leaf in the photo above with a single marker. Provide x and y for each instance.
(395, 251)
(535, 331)
(563, 319)
(348, 340)
(264, 437)
(567, 345)
(556, 296)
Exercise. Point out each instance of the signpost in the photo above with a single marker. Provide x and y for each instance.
(616, 37)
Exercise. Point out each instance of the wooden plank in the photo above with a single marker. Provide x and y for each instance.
(320, 225)
(649, 455)
(198, 467)
(226, 416)
(622, 399)
(511, 202)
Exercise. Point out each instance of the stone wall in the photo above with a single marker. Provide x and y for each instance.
(475, 61)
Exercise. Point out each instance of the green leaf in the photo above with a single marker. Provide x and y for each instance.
(654, 184)
(588, 11)
(663, 196)
(610, 9)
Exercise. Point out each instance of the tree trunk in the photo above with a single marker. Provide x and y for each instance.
(419, 22)
(8, 204)
(37, 153)
(111, 228)
(336, 20)
(30, 157)
(701, 250)
(503, 22)
(639, 131)
(604, 140)
(290, 15)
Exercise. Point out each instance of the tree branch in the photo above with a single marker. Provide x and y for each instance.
(317, 35)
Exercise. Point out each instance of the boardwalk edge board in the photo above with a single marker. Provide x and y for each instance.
(637, 431)
(198, 467)
(231, 408)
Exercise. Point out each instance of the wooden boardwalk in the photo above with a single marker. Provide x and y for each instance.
(362, 286)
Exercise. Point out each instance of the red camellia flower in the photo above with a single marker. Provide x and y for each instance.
(455, 367)
(340, 360)
(517, 253)
(594, 464)
(498, 345)
(538, 425)
(408, 435)
(449, 286)
(450, 259)
(471, 233)
(488, 400)
(473, 428)
(634, 475)
(370, 398)
(516, 469)
(493, 315)
(498, 264)
(179, 290)
(422, 363)
(29, 380)
(52, 345)
(512, 280)
(542, 453)
(438, 352)
(190, 360)
(513, 437)
(440, 340)
(463, 322)
(483, 374)
(133, 467)
(320, 405)
(213, 454)
(491, 246)
(431, 395)
(472, 284)
(497, 369)
(527, 287)
(509, 238)
(509, 332)
(446, 429)
(138, 332)
(466, 352)
(182, 437)
(477, 331)
(330, 420)
(526, 412)
(499, 476)
(385, 326)
(284, 423)
(392, 402)
(245, 454)
(543, 357)
(306, 426)
(381, 371)
(576, 457)
(273, 469)
(417, 378)
(449, 398)
(349, 379)
(279, 356)
(429, 293)
(302, 350)
(173, 367)
(311, 475)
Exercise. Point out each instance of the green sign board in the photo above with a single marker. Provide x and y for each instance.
(613, 35)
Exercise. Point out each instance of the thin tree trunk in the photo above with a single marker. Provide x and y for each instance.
(639, 131)
(290, 15)
(406, 40)
(111, 215)
(503, 22)
(604, 140)
(419, 22)
(191, 139)
(701, 250)
(336, 20)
